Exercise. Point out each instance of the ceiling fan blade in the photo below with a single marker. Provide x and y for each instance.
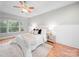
(24, 7)
(31, 7)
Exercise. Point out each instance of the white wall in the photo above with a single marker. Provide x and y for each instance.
(68, 17)
(68, 35)
(68, 31)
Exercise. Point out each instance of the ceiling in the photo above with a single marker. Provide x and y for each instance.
(40, 7)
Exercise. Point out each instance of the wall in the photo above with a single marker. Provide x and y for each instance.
(68, 30)
(60, 16)
(67, 20)
(68, 35)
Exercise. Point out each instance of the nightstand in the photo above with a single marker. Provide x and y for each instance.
(51, 38)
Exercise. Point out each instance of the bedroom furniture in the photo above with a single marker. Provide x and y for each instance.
(51, 38)
(23, 44)
(15, 47)
(33, 40)
(11, 50)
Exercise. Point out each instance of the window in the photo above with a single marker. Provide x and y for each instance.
(7, 26)
(3, 27)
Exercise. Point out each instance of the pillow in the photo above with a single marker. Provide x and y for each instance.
(35, 32)
(6, 40)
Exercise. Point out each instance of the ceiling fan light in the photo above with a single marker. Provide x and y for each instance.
(24, 10)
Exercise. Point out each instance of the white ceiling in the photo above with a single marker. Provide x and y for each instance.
(40, 7)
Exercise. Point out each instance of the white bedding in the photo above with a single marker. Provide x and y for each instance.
(10, 51)
(22, 46)
(18, 48)
(33, 40)
(42, 50)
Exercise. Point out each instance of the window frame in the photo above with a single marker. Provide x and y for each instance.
(8, 27)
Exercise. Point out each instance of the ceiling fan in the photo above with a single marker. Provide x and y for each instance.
(24, 7)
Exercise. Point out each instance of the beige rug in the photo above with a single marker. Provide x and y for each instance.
(42, 50)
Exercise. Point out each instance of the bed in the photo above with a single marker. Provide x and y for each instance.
(14, 47)
(22, 45)
(34, 40)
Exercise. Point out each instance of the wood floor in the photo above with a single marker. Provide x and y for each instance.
(60, 50)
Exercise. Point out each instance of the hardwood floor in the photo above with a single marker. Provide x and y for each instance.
(60, 50)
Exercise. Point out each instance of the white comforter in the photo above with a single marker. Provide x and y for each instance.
(22, 46)
(18, 48)
(10, 51)
(33, 40)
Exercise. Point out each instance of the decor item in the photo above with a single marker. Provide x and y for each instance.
(24, 6)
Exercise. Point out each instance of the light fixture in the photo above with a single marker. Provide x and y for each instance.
(51, 26)
(24, 7)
